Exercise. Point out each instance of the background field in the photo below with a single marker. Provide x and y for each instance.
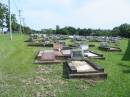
(19, 77)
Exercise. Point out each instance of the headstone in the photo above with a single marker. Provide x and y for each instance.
(76, 54)
(104, 45)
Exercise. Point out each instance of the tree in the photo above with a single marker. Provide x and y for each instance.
(115, 31)
(67, 30)
(124, 30)
(14, 22)
(15, 25)
(3, 11)
(27, 30)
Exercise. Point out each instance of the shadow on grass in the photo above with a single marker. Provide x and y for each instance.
(126, 57)
(65, 75)
(127, 68)
(123, 65)
(126, 71)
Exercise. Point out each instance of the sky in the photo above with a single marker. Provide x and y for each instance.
(103, 14)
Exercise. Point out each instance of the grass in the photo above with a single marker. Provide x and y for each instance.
(19, 77)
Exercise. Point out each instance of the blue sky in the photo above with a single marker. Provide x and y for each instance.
(104, 14)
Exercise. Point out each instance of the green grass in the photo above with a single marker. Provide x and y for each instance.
(19, 77)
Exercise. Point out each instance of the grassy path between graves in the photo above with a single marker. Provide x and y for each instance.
(19, 77)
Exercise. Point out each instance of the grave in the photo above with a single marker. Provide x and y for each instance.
(90, 54)
(77, 54)
(47, 56)
(48, 43)
(79, 67)
(58, 46)
(84, 69)
(84, 47)
(36, 44)
(66, 53)
(105, 47)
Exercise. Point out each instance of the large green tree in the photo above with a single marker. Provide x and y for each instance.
(67, 31)
(3, 12)
(15, 26)
(122, 30)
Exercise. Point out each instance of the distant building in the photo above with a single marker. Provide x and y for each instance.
(57, 28)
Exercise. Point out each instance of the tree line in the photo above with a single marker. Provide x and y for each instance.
(123, 30)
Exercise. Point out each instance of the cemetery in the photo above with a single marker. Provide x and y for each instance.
(64, 48)
(62, 68)
(79, 66)
(61, 53)
(79, 58)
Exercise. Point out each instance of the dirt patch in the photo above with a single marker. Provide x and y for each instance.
(45, 94)
(39, 80)
(42, 69)
(91, 82)
(35, 81)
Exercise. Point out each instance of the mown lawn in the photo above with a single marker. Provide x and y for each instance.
(19, 77)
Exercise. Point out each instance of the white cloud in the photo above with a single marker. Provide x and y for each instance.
(79, 13)
(102, 12)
